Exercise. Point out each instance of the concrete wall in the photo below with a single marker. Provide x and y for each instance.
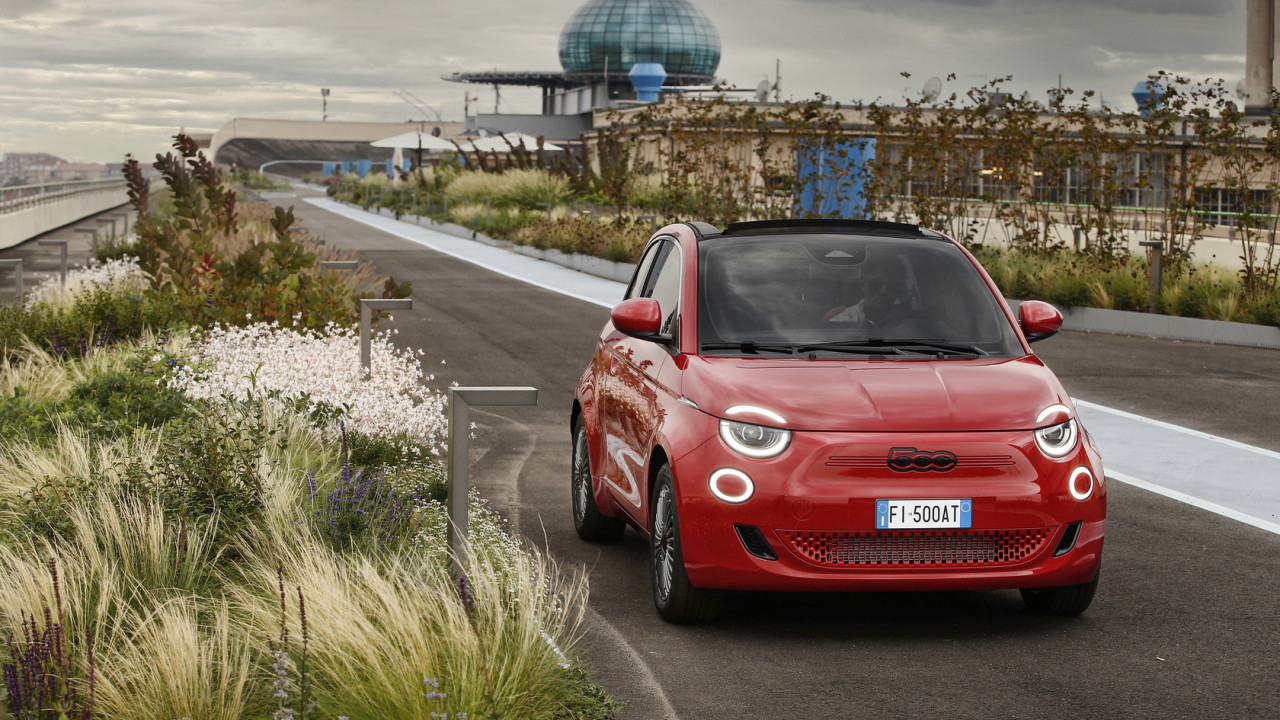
(22, 225)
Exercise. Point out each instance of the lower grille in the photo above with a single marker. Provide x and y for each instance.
(918, 548)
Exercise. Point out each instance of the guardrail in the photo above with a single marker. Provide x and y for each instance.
(21, 197)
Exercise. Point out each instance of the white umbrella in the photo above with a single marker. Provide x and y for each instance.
(414, 140)
(496, 142)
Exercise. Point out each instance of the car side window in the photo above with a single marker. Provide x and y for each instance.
(640, 282)
(664, 285)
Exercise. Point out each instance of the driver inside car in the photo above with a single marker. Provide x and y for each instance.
(883, 281)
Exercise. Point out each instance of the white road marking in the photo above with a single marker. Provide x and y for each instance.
(1195, 501)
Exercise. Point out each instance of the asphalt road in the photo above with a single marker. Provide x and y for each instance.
(1185, 623)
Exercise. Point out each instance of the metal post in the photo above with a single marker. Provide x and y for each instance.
(124, 218)
(1155, 258)
(105, 220)
(488, 210)
(367, 306)
(63, 244)
(460, 401)
(327, 265)
(446, 207)
(548, 207)
(93, 252)
(653, 222)
(16, 264)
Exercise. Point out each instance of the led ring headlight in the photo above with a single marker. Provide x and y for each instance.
(1076, 475)
(736, 477)
(1056, 441)
(754, 441)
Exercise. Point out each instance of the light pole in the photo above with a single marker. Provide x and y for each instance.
(324, 104)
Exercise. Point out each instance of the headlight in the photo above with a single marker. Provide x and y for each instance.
(1058, 440)
(755, 441)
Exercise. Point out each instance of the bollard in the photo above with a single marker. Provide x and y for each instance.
(93, 252)
(488, 210)
(63, 244)
(460, 401)
(548, 207)
(653, 222)
(104, 221)
(446, 207)
(16, 264)
(367, 306)
(327, 265)
(1155, 258)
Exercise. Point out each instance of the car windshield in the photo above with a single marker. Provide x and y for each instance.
(845, 295)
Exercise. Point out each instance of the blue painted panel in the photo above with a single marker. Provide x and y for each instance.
(363, 167)
(329, 168)
(391, 168)
(408, 164)
(346, 167)
(831, 178)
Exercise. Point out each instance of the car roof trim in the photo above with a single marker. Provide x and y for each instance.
(830, 226)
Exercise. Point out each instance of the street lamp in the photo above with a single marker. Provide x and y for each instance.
(324, 100)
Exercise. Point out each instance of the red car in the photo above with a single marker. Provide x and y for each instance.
(833, 405)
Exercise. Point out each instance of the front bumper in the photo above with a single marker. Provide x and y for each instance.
(814, 505)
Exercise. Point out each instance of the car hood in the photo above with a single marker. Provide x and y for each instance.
(880, 396)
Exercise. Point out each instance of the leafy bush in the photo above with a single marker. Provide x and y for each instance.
(210, 466)
(622, 240)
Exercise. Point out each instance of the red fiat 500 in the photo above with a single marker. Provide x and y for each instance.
(833, 405)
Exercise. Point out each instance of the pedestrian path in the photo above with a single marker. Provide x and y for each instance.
(1223, 476)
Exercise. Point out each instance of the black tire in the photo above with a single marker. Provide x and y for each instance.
(677, 600)
(1065, 600)
(591, 524)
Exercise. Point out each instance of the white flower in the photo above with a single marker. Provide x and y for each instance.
(324, 368)
(121, 274)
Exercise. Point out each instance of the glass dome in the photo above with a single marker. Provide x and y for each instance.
(671, 32)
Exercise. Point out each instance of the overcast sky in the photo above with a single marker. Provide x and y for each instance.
(93, 79)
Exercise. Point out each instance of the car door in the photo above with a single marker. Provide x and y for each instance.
(635, 380)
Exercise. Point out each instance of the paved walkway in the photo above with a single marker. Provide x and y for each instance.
(1223, 476)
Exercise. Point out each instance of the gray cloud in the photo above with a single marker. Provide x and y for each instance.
(1203, 8)
(94, 80)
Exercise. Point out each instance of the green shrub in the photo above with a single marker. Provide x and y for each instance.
(210, 464)
(100, 317)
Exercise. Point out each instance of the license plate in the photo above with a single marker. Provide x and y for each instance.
(917, 514)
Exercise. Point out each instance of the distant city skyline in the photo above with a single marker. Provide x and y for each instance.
(90, 81)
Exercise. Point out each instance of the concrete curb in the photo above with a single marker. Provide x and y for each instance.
(1083, 319)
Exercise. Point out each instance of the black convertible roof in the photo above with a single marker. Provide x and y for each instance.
(860, 227)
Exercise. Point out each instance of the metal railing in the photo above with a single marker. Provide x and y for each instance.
(21, 197)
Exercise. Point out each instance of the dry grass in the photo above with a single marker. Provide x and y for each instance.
(379, 627)
(186, 659)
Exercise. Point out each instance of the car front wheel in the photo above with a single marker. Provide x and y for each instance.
(591, 524)
(677, 600)
(1065, 600)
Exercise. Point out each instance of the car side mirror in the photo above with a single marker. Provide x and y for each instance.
(1039, 320)
(638, 317)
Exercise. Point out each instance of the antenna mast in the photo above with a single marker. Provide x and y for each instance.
(777, 81)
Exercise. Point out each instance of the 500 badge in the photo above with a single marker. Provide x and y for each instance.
(912, 460)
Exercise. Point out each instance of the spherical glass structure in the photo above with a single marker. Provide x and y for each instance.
(625, 32)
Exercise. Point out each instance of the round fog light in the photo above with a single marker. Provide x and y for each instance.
(732, 486)
(1077, 476)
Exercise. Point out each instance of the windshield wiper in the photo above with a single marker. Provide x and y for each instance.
(750, 348)
(899, 346)
(864, 347)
